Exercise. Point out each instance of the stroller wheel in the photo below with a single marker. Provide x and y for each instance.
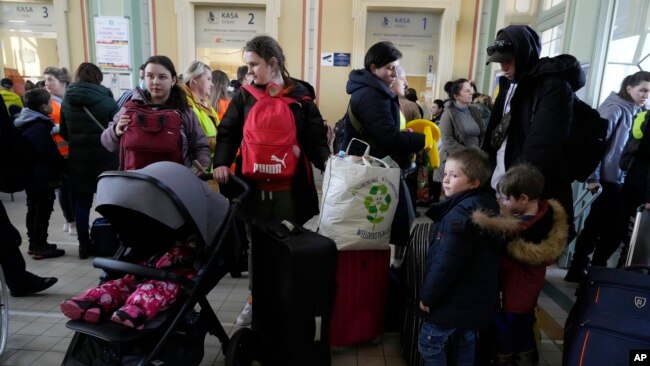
(241, 348)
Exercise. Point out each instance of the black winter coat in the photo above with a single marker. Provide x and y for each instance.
(538, 133)
(88, 157)
(377, 109)
(462, 264)
(312, 137)
(44, 161)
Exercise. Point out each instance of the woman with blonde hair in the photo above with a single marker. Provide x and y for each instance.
(197, 83)
(220, 97)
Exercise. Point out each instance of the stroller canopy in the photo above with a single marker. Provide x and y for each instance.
(167, 192)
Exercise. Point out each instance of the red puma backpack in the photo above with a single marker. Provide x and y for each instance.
(152, 135)
(270, 150)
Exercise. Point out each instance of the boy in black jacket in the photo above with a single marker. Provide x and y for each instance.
(44, 168)
(457, 296)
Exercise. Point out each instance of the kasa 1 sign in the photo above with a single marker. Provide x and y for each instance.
(416, 35)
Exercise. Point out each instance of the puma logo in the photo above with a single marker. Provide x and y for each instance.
(278, 160)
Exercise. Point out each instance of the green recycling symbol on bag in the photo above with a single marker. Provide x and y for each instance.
(377, 202)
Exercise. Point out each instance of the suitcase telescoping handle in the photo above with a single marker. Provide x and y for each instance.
(582, 202)
(640, 211)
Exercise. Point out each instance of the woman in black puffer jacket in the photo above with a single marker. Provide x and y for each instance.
(86, 110)
(376, 107)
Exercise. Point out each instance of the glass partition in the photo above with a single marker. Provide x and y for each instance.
(629, 48)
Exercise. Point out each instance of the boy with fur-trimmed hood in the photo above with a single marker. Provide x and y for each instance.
(537, 240)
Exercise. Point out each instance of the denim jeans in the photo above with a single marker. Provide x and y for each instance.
(433, 341)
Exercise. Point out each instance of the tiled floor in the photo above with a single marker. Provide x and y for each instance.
(38, 335)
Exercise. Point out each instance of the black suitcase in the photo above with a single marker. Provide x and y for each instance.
(103, 238)
(413, 273)
(610, 317)
(294, 275)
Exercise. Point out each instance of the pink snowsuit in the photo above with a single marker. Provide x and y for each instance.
(148, 297)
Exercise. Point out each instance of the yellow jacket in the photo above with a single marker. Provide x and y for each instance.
(207, 117)
(11, 98)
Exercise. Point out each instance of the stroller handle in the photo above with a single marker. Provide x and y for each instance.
(233, 178)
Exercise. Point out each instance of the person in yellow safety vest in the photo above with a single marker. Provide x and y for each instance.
(56, 82)
(7, 92)
(197, 82)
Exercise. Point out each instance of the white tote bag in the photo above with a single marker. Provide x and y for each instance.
(360, 196)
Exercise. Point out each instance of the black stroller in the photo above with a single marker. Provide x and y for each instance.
(148, 207)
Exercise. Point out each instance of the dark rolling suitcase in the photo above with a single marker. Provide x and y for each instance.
(103, 238)
(294, 273)
(413, 273)
(610, 318)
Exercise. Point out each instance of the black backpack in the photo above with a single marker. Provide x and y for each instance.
(339, 135)
(13, 151)
(587, 141)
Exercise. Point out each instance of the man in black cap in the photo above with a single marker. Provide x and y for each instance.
(530, 124)
(531, 115)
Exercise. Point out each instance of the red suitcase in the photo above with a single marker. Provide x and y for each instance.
(361, 289)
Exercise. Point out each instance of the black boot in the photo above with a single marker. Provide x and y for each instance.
(44, 251)
(30, 249)
(577, 270)
(84, 251)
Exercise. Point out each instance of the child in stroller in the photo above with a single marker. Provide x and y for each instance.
(151, 209)
(131, 301)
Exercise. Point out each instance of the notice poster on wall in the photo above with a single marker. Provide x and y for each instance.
(112, 42)
(117, 82)
(416, 35)
(227, 27)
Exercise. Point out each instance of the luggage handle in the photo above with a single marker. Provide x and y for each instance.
(585, 204)
(635, 235)
(288, 225)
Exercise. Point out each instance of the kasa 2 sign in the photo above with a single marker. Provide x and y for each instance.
(227, 27)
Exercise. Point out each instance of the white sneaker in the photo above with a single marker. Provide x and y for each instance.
(245, 318)
(66, 227)
(73, 229)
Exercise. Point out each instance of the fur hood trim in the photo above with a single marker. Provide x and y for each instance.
(548, 249)
(505, 223)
